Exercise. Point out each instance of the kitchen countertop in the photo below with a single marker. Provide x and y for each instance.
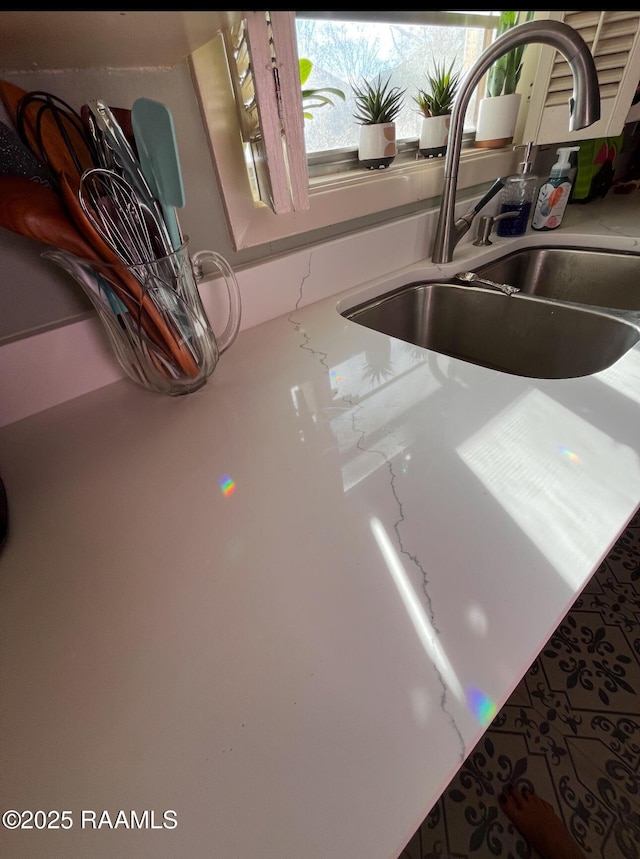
(272, 618)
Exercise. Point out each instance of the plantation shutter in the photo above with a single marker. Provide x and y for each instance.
(613, 38)
(263, 61)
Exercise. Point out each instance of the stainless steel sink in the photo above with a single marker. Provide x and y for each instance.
(519, 334)
(601, 278)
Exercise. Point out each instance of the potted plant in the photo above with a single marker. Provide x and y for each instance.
(498, 111)
(377, 106)
(314, 98)
(435, 107)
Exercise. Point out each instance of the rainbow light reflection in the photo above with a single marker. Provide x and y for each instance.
(570, 455)
(227, 485)
(482, 707)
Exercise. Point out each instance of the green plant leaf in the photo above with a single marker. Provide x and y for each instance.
(377, 102)
(305, 67)
(504, 74)
(314, 98)
(444, 84)
(311, 93)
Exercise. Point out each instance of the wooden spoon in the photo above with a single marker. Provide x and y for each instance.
(40, 123)
(33, 210)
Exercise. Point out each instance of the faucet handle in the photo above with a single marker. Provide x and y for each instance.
(485, 225)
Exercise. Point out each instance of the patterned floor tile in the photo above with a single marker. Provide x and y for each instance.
(570, 731)
(614, 792)
(599, 809)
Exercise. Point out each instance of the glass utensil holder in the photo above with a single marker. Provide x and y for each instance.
(154, 317)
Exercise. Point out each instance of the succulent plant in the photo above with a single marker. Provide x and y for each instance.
(377, 102)
(504, 74)
(444, 84)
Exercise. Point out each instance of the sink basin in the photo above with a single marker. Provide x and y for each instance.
(518, 334)
(600, 278)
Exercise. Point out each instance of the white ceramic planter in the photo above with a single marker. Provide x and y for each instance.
(434, 133)
(497, 118)
(377, 145)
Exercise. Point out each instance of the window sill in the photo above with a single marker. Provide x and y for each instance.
(334, 199)
(345, 196)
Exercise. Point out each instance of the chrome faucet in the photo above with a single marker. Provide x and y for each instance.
(584, 108)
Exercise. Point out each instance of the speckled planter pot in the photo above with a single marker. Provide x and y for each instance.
(377, 145)
(434, 133)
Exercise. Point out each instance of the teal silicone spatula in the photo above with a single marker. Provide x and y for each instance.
(155, 137)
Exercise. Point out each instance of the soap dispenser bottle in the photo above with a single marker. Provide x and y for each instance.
(517, 196)
(554, 193)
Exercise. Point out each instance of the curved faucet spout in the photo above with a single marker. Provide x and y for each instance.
(584, 107)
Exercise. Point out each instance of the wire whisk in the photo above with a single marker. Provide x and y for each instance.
(134, 232)
(127, 224)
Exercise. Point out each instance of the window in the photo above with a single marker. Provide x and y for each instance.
(402, 49)
(333, 198)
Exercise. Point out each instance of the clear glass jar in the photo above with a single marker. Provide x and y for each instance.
(154, 317)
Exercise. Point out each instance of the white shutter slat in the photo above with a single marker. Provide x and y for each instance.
(268, 150)
(280, 154)
(614, 39)
(242, 80)
(263, 64)
(290, 94)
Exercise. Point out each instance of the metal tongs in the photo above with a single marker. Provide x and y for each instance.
(116, 154)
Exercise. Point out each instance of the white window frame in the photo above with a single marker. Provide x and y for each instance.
(332, 198)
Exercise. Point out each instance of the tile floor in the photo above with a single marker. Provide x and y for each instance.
(570, 731)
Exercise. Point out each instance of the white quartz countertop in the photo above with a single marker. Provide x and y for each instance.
(277, 614)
